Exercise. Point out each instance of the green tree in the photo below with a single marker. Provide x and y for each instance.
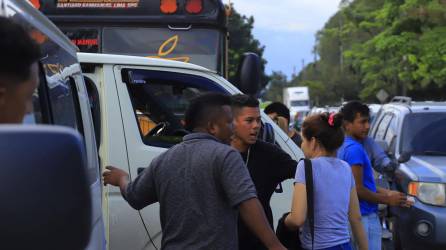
(242, 40)
(274, 89)
(396, 45)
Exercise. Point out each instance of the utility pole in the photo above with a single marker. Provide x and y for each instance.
(341, 49)
(403, 84)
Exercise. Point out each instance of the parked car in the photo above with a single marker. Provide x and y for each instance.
(138, 106)
(414, 133)
(61, 99)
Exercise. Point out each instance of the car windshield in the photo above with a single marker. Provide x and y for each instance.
(424, 133)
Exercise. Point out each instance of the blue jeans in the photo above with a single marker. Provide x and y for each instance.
(372, 228)
(344, 246)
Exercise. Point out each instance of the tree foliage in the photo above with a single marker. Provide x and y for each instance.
(274, 89)
(242, 40)
(395, 45)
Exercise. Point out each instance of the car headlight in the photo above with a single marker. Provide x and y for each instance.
(430, 193)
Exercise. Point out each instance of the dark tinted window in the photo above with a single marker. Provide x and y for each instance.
(382, 127)
(93, 96)
(424, 133)
(62, 102)
(391, 133)
(160, 100)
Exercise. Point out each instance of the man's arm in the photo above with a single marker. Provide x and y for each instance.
(354, 217)
(298, 214)
(252, 214)
(139, 193)
(388, 192)
(381, 197)
(116, 177)
(379, 159)
(285, 165)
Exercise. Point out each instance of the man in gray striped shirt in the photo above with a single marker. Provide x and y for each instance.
(201, 184)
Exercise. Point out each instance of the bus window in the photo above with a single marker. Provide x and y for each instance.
(198, 46)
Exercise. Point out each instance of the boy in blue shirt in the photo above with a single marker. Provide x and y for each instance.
(356, 126)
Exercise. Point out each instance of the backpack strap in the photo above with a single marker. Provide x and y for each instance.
(310, 197)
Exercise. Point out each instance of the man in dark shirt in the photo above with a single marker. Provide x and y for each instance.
(268, 165)
(200, 184)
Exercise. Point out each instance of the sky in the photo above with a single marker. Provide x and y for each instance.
(287, 29)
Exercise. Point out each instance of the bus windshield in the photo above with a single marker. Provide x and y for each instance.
(199, 46)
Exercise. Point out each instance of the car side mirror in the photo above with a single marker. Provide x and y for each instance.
(46, 202)
(404, 157)
(248, 74)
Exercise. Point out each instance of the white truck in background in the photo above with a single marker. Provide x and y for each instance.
(297, 99)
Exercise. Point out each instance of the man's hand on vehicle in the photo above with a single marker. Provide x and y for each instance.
(395, 198)
(410, 201)
(114, 176)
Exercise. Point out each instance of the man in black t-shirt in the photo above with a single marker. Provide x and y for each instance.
(268, 165)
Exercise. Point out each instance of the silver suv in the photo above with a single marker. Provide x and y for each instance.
(415, 134)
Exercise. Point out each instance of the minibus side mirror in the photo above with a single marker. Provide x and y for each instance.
(248, 74)
(44, 192)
